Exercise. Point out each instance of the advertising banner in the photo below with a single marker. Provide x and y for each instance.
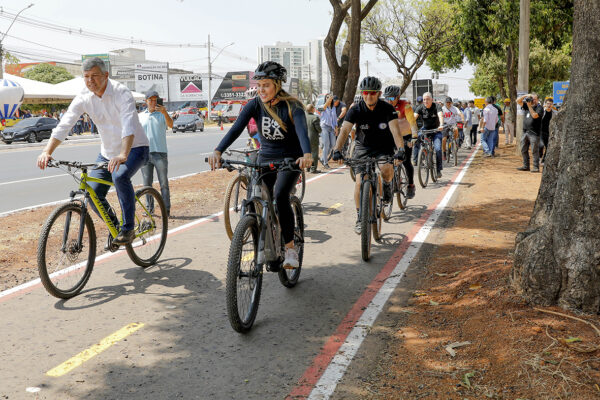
(233, 87)
(559, 91)
(152, 77)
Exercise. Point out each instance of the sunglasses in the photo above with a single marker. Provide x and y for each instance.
(390, 98)
(369, 92)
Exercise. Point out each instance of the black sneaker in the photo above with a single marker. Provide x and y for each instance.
(439, 174)
(124, 237)
(387, 192)
(535, 169)
(410, 192)
(523, 168)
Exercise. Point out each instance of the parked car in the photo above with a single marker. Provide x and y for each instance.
(31, 129)
(188, 122)
(188, 110)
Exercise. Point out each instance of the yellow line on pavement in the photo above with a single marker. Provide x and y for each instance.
(96, 349)
(330, 209)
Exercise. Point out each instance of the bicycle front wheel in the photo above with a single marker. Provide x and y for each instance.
(65, 262)
(244, 279)
(432, 162)
(232, 207)
(401, 180)
(366, 211)
(289, 277)
(151, 226)
(423, 167)
(300, 187)
(455, 152)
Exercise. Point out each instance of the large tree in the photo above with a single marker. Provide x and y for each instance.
(48, 73)
(557, 259)
(350, 53)
(411, 31)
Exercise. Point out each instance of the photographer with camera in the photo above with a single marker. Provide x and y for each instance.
(532, 124)
(155, 120)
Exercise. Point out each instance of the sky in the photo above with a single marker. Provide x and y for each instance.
(246, 24)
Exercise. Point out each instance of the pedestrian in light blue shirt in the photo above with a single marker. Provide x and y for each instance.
(155, 121)
(328, 127)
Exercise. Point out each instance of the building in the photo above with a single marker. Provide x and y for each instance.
(293, 58)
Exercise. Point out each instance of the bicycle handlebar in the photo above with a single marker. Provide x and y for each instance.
(287, 163)
(77, 164)
(366, 160)
(247, 152)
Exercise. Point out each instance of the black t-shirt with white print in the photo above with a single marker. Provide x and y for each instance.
(372, 126)
(275, 143)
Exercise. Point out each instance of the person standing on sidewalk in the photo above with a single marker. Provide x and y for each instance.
(532, 124)
(547, 116)
(468, 114)
(328, 127)
(313, 122)
(509, 124)
(155, 120)
(475, 117)
(488, 126)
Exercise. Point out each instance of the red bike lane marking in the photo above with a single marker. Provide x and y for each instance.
(320, 363)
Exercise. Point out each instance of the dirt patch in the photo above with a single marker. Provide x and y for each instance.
(191, 198)
(506, 349)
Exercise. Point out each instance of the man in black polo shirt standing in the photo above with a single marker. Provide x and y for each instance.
(532, 124)
(433, 118)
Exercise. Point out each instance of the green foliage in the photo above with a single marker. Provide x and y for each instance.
(545, 66)
(48, 73)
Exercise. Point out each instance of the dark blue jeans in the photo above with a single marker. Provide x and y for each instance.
(161, 163)
(138, 156)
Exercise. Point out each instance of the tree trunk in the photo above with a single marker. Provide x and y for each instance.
(511, 82)
(557, 259)
(353, 67)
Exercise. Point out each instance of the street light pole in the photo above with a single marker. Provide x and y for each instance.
(210, 62)
(2, 40)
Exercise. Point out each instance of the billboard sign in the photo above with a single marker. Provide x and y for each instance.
(152, 77)
(233, 86)
(559, 89)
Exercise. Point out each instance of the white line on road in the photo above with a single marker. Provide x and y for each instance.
(32, 179)
(337, 367)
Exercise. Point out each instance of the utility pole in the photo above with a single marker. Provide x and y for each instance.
(5, 33)
(209, 79)
(523, 68)
(168, 89)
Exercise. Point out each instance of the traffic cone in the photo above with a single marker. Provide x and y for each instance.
(221, 126)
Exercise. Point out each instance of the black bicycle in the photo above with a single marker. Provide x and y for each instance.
(371, 208)
(399, 189)
(451, 145)
(257, 243)
(427, 160)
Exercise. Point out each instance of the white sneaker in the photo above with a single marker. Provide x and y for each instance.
(291, 259)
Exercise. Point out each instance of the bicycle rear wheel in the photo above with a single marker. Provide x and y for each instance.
(289, 277)
(366, 211)
(232, 207)
(423, 167)
(244, 279)
(64, 263)
(401, 181)
(151, 226)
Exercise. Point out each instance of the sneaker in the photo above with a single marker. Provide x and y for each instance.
(439, 174)
(535, 169)
(410, 192)
(291, 259)
(315, 171)
(357, 226)
(523, 168)
(387, 192)
(109, 242)
(124, 237)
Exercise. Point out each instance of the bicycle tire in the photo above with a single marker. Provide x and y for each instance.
(376, 226)
(237, 183)
(289, 277)
(351, 155)
(365, 216)
(50, 277)
(401, 180)
(433, 165)
(423, 167)
(455, 152)
(147, 248)
(246, 229)
(301, 186)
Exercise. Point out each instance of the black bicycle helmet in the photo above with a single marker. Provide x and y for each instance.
(392, 91)
(271, 70)
(370, 83)
(448, 99)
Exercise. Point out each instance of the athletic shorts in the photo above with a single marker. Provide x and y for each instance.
(361, 151)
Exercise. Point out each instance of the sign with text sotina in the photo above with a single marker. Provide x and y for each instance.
(559, 91)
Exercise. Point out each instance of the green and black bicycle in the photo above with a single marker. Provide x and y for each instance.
(67, 245)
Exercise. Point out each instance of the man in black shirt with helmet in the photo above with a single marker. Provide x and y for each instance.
(378, 133)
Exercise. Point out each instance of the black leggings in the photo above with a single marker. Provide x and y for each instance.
(474, 134)
(410, 170)
(280, 185)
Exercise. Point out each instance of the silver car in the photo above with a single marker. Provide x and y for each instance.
(188, 122)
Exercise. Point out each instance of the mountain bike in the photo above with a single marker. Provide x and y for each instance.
(451, 146)
(257, 243)
(371, 208)
(399, 189)
(67, 245)
(427, 160)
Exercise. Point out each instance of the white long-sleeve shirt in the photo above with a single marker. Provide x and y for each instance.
(114, 114)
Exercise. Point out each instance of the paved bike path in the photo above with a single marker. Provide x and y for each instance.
(185, 347)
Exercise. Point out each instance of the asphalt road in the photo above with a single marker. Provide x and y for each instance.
(22, 184)
(181, 344)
